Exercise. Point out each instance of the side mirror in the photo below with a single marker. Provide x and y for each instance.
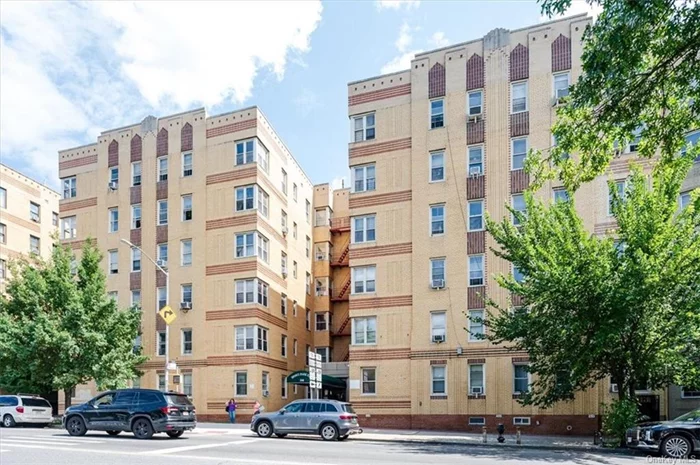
(282, 411)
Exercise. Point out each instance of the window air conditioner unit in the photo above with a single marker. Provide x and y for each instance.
(266, 393)
(438, 284)
(113, 185)
(285, 230)
(35, 218)
(555, 101)
(185, 305)
(162, 263)
(474, 172)
(474, 119)
(477, 390)
(284, 273)
(438, 338)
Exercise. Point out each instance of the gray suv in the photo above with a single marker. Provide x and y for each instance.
(330, 419)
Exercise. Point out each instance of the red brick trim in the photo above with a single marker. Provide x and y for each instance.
(359, 201)
(475, 72)
(561, 54)
(476, 131)
(475, 296)
(381, 94)
(271, 275)
(233, 127)
(77, 204)
(135, 236)
(186, 137)
(520, 359)
(379, 354)
(381, 302)
(466, 352)
(76, 162)
(382, 404)
(248, 218)
(367, 149)
(519, 63)
(476, 187)
(134, 195)
(113, 154)
(241, 313)
(74, 245)
(436, 81)
(162, 143)
(476, 242)
(267, 227)
(520, 124)
(136, 148)
(134, 280)
(519, 181)
(237, 360)
(237, 267)
(161, 233)
(438, 362)
(476, 361)
(161, 190)
(380, 251)
(262, 180)
(438, 397)
(32, 226)
(239, 173)
(160, 278)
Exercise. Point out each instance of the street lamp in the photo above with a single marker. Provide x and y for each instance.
(167, 299)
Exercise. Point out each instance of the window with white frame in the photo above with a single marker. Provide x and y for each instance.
(283, 304)
(518, 204)
(295, 192)
(136, 298)
(245, 291)
(34, 245)
(308, 283)
(476, 160)
(162, 168)
(114, 176)
(521, 421)
(245, 152)
(186, 293)
(363, 229)
(620, 189)
(518, 153)
(307, 210)
(135, 259)
(284, 220)
(161, 342)
(476, 380)
(363, 279)
(476, 270)
(35, 212)
(437, 166)
(636, 139)
(265, 382)
(476, 215)
(563, 156)
(136, 216)
(518, 275)
(161, 297)
(437, 113)
(3, 269)
(245, 198)
(692, 139)
(283, 262)
(187, 384)
(68, 228)
(3, 233)
(437, 220)
(69, 191)
(187, 342)
(363, 127)
(308, 247)
(113, 220)
(113, 261)
(364, 330)
(295, 347)
(251, 337)
(521, 380)
(684, 200)
(438, 380)
(263, 293)
(283, 346)
(560, 195)
(437, 272)
(369, 380)
(518, 97)
(162, 212)
(283, 387)
(263, 156)
(187, 164)
(364, 178)
(241, 383)
(295, 230)
(284, 182)
(476, 325)
(322, 216)
(438, 326)
(187, 207)
(54, 219)
(561, 85)
(186, 252)
(474, 103)
(322, 321)
(162, 253)
(308, 319)
(294, 269)
(690, 393)
(477, 421)
(136, 173)
(325, 353)
(3, 197)
(161, 382)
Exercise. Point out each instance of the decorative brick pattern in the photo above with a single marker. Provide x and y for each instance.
(381, 94)
(161, 190)
(160, 278)
(379, 354)
(162, 143)
(520, 124)
(77, 162)
(379, 199)
(238, 360)
(77, 204)
(521, 359)
(517, 300)
(135, 280)
(233, 127)
(364, 149)
(160, 325)
(466, 352)
(265, 271)
(475, 296)
(381, 302)
(248, 218)
(74, 245)
(136, 148)
(476, 361)
(161, 234)
(380, 251)
(519, 180)
(475, 132)
(519, 63)
(135, 236)
(382, 404)
(476, 187)
(438, 362)
(436, 81)
(228, 268)
(113, 154)
(561, 54)
(475, 72)
(232, 175)
(267, 228)
(134, 195)
(476, 242)
(186, 137)
(241, 313)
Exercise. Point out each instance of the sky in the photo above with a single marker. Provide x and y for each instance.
(70, 70)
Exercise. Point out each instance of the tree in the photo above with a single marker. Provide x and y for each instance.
(64, 330)
(625, 306)
(641, 65)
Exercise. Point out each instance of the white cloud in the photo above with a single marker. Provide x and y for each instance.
(403, 59)
(340, 182)
(306, 102)
(577, 7)
(439, 40)
(405, 38)
(396, 4)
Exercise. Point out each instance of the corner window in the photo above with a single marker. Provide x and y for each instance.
(249, 291)
(474, 103)
(136, 173)
(68, 228)
(363, 127)
(476, 160)
(162, 169)
(363, 229)
(476, 270)
(187, 207)
(248, 197)
(518, 204)
(518, 275)
(518, 97)
(438, 380)
(476, 380)
(437, 113)
(561, 85)
(162, 212)
(69, 191)
(437, 220)
(136, 216)
(518, 153)
(476, 325)
(437, 166)
(369, 380)
(476, 215)
(363, 279)
(364, 330)
(187, 165)
(54, 219)
(363, 178)
(251, 338)
(438, 327)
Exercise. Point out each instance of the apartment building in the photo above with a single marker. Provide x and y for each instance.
(28, 218)
(223, 206)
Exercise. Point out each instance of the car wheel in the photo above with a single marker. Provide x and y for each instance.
(280, 435)
(264, 429)
(113, 433)
(175, 434)
(676, 447)
(8, 421)
(329, 432)
(76, 426)
(343, 438)
(142, 428)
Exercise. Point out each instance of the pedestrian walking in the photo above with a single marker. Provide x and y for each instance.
(231, 409)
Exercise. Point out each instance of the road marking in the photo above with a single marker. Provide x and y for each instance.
(30, 441)
(4, 450)
(57, 439)
(248, 461)
(203, 446)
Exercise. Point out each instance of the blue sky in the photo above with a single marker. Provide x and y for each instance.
(70, 70)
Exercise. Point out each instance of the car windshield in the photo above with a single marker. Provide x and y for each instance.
(691, 417)
(348, 408)
(33, 402)
(178, 399)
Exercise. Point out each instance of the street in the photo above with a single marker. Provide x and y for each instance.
(29, 446)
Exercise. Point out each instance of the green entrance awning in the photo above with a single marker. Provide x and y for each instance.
(302, 377)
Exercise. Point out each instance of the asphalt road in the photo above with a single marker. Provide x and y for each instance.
(28, 446)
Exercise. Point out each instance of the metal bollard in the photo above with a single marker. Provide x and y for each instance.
(501, 429)
(483, 433)
(517, 435)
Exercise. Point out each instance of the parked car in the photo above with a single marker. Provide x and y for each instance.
(144, 412)
(330, 419)
(24, 409)
(679, 438)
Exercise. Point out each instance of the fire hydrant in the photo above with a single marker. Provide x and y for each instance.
(501, 429)
(483, 433)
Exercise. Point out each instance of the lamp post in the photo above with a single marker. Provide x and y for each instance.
(167, 299)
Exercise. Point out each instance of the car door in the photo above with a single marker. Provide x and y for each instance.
(289, 420)
(123, 407)
(99, 413)
(311, 417)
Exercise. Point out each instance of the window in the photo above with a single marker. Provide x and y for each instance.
(187, 384)
(363, 127)
(518, 97)
(113, 220)
(54, 219)
(560, 195)
(620, 188)
(477, 421)
(247, 243)
(438, 386)
(114, 176)
(241, 383)
(245, 198)
(34, 245)
(161, 387)
(369, 380)
(322, 217)
(284, 221)
(3, 269)
(518, 153)
(476, 379)
(476, 325)
(265, 382)
(113, 261)
(683, 200)
(476, 215)
(186, 164)
(263, 293)
(295, 192)
(186, 342)
(283, 386)
(294, 269)
(162, 297)
(308, 247)
(162, 253)
(437, 220)
(68, 228)
(35, 212)
(437, 271)
(437, 113)
(364, 178)
(437, 166)
(518, 204)
(308, 349)
(294, 308)
(3, 233)
(363, 229)
(438, 328)
(474, 103)
(162, 212)
(476, 270)
(634, 143)
(69, 191)
(283, 304)
(691, 140)
(690, 393)
(3, 196)
(476, 160)
(136, 216)
(561, 85)
(250, 291)
(186, 292)
(308, 320)
(295, 347)
(364, 330)
(162, 169)
(284, 182)
(307, 210)
(283, 346)
(283, 261)
(186, 252)
(520, 379)
(251, 338)
(563, 156)
(322, 322)
(136, 173)
(135, 259)
(308, 283)
(187, 207)
(363, 279)
(161, 343)
(113, 295)
(245, 152)
(518, 275)
(521, 421)
(136, 298)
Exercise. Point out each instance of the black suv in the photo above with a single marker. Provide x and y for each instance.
(141, 411)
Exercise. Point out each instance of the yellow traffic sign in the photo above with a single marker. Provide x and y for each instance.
(167, 314)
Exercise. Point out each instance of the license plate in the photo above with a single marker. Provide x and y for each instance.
(186, 414)
(629, 439)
